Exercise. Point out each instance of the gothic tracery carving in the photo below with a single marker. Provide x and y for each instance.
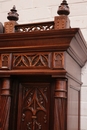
(31, 60)
(58, 60)
(5, 61)
(35, 101)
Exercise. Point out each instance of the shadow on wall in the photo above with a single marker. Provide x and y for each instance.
(1, 28)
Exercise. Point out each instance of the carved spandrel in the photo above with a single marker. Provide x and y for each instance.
(35, 107)
(58, 60)
(28, 60)
(5, 61)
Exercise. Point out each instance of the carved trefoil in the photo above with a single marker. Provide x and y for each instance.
(58, 60)
(31, 60)
(35, 105)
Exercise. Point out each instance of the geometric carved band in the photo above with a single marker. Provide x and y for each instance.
(43, 59)
(28, 60)
(60, 89)
(46, 60)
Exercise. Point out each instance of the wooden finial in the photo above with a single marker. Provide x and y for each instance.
(62, 21)
(63, 8)
(13, 16)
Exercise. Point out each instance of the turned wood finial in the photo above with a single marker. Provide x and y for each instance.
(63, 8)
(62, 21)
(13, 15)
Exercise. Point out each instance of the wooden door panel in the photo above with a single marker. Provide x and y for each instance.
(33, 106)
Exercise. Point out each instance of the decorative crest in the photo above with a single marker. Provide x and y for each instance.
(63, 8)
(13, 15)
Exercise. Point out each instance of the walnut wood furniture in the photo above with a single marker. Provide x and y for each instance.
(40, 79)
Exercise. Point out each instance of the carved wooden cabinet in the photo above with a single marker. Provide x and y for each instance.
(40, 79)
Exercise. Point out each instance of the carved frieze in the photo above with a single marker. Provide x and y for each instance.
(32, 60)
(28, 60)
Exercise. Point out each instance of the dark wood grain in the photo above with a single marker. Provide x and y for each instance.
(5, 104)
(60, 105)
(40, 78)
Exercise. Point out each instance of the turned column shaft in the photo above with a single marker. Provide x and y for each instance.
(5, 104)
(60, 105)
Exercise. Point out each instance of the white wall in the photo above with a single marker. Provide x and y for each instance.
(44, 10)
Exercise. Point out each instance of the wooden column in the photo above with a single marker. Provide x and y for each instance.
(60, 106)
(5, 104)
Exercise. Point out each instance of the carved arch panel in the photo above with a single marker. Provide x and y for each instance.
(34, 104)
